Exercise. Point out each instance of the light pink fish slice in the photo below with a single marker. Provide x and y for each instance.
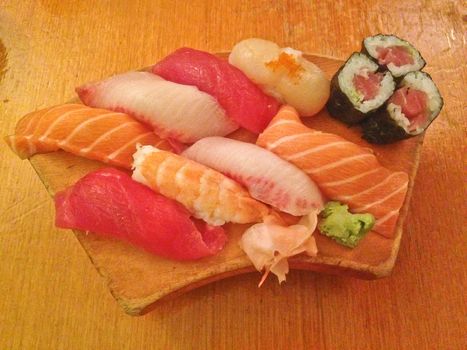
(175, 111)
(267, 177)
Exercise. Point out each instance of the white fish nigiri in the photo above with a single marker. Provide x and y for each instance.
(267, 177)
(176, 111)
(282, 73)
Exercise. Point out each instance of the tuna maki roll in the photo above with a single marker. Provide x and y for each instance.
(357, 89)
(393, 54)
(412, 108)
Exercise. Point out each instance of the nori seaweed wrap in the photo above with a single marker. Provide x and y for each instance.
(357, 89)
(393, 53)
(409, 112)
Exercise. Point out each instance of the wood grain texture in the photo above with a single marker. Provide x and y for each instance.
(53, 299)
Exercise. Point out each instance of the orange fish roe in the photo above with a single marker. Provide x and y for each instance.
(286, 62)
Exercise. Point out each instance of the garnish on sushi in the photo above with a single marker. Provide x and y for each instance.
(267, 177)
(269, 244)
(176, 111)
(412, 108)
(343, 171)
(98, 134)
(109, 203)
(342, 226)
(242, 100)
(283, 73)
(358, 89)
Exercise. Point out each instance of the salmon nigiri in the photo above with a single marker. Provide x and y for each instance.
(109, 203)
(175, 111)
(206, 193)
(98, 134)
(343, 170)
(267, 177)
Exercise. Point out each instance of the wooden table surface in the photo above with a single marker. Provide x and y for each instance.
(52, 298)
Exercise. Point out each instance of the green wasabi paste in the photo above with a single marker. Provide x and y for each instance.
(344, 227)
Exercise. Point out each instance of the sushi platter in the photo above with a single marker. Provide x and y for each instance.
(139, 278)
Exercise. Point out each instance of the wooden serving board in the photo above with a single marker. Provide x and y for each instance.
(138, 279)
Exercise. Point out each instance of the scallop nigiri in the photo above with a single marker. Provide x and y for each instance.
(175, 111)
(109, 203)
(283, 73)
(93, 133)
(242, 100)
(267, 177)
(206, 193)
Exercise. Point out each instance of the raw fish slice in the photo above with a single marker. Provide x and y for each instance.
(174, 111)
(267, 177)
(343, 170)
(92, 133)
(206, 193)
(108, 202)
(242, 100)
(283, 73)
(397, 55)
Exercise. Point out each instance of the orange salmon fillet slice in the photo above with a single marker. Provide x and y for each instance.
(92, 133)
(343, 170)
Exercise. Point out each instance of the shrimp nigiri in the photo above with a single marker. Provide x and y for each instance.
(206, 193)
(176, 111)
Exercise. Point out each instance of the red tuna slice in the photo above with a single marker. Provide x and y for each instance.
(397, 55)
(108, 202)
(243, 101)
(368, 84)
(413, 104)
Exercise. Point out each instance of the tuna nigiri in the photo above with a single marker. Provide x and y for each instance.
(108, 202)
(206, 193)
(175, 111)
(242, 100)
(283, 73)
(97, 134)
(267, 177)
(343, 170)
